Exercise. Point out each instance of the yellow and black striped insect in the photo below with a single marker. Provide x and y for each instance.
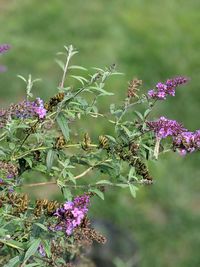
(103, 142)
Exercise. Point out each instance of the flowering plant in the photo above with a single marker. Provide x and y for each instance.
(41, 139)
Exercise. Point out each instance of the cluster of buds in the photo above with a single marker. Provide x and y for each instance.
(8, 169)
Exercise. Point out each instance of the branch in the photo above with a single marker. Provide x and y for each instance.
(75, 177)
(70, 49)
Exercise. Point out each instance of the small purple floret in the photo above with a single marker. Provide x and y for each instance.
(41, 250)
(167, 88)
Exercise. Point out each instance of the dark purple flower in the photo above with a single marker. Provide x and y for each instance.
(167, 88)
(164, 127)
(4, 48)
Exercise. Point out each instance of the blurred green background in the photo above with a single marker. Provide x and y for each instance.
(152, 40)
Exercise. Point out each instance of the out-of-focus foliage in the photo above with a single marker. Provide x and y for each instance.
(149, 39)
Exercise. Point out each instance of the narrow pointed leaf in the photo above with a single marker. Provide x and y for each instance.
(32, 249)
(63, 124)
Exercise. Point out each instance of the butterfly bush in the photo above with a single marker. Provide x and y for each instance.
(42, 146)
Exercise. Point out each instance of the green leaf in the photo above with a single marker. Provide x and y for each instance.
(112, 108)
(111, 138)
(77, 67)
(41, 226)
(11, 146)
(67, 193)
(22, 78)
(82, 80)
(29, 162)
(131, 172)
(147, 113)
(133, 190)
(104, 182)
(63, 124)
(13, 262)
(32, 250)
(2, 153)
(122, 185)
(50, 158)
(139, 115)
(12, 243)
(147, 147)
(40, 168)
(47, 247)
(102, 91)
(97, 192)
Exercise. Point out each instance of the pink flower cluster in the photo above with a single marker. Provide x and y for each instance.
(164, 127)
(183, 140)
(71, 214)
(38, 108)
(168, 88)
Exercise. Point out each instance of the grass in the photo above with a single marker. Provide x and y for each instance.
(152, 40)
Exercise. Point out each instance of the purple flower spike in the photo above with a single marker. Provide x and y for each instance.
(164, 127)
(167, 88)
(28, 109)
(71, 214)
